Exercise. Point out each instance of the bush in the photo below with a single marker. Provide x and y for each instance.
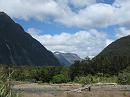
(124, 78)
(95, 79)
(5, 85)
(83, 80)
(60, 78)
(35, 74)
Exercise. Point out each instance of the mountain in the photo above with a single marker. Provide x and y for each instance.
(120, 47)
(20, 48)
(115, 57)
(66, 59)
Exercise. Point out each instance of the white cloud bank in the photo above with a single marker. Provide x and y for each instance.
(89, 14)
(85, 14)
(83, 43)
(122, 31)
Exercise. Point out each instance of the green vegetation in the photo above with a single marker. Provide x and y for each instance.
(93, 71)
(75, 73)
(46, 74)
(124, 76)
(84, 72)
(5, 85)
(95, 79)
(60, 78)
(114, 58)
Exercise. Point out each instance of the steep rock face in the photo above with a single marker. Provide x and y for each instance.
(66, 59)
(19, 48)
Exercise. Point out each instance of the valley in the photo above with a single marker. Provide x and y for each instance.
(64, 48)
(62, 90)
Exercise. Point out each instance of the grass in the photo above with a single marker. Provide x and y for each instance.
(5, 85)
(87, 94)
(94, 93)
(101, 94)
(5, 89)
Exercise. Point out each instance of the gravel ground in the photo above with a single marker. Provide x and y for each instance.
(58, 90)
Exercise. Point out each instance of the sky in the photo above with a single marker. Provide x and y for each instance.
(84, 27)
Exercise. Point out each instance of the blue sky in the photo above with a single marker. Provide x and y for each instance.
(46, 27)
(84, 27)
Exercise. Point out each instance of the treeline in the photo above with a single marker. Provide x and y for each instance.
(46, 74)
(112, 65)
(103, 69)
(103, 66)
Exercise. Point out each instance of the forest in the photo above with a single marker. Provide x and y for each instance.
(87, 71)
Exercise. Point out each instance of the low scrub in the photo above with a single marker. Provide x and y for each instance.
(5, 85)
(60, 78)
(124, 78)
(95, 79)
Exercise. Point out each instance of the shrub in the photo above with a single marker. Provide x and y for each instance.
(124, 78)
(5, 86)
(60, 78)
(95, 79)
(83, 80)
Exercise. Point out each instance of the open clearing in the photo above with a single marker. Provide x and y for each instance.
(59, 90)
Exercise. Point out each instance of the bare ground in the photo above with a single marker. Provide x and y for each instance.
(87, 94)
(58, 90)
(101, 94)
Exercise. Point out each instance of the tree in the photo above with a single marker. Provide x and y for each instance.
(60, 78)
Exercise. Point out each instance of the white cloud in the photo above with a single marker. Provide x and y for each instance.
(122, 12)
(92, 15)
(122, 31)
(83, 43)
(109, 41)
(82, 3)
(88, 15)
(27, 9)
(98, 15)
(34, 31)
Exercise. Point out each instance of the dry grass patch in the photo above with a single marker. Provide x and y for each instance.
(101, 94)
(86, 94)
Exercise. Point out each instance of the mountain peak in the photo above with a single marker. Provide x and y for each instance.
(2, 13)
(18, 47)
(115, 57)
(66, 59)
(4, 18)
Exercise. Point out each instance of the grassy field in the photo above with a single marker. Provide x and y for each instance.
(43, 90)
(87, 94)
(58, 90)
(101, 94)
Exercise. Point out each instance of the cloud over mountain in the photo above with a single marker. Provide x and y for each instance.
(122, 31)
(88, 13)
(85, 15)
(82, 43)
